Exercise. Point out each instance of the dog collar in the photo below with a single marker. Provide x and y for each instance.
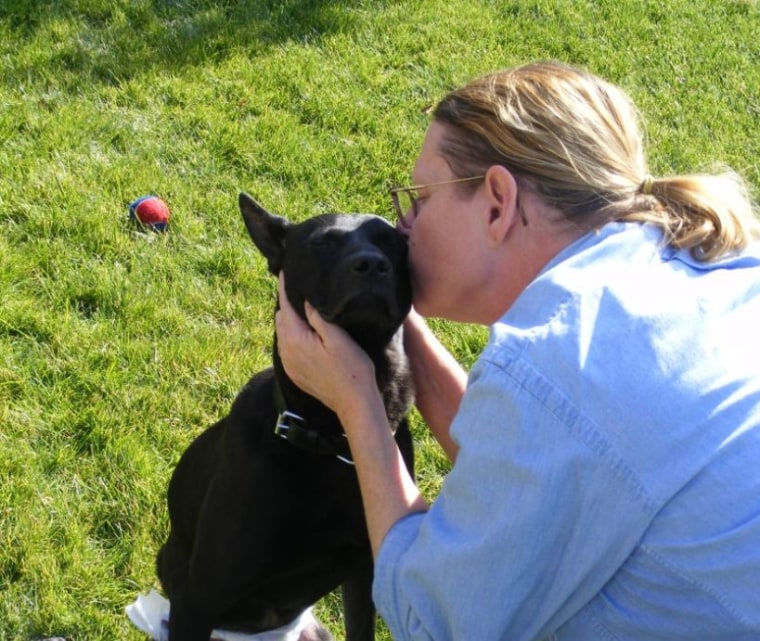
(294, 429)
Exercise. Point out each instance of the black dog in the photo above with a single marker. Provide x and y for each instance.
(266, 514)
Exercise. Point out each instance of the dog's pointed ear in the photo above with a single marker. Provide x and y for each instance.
(266, 230)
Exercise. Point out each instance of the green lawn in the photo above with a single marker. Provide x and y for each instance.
(118, 347)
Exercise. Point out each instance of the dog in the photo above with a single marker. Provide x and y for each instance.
(264, 506)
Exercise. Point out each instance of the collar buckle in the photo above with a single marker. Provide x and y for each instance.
(286, 421)
(293, 428)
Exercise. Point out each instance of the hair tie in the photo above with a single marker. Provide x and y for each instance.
(645, 187)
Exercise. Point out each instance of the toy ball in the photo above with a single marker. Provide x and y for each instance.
(151, 212)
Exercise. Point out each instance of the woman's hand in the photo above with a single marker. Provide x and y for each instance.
(321, 358)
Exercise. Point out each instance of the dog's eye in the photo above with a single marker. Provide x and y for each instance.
(388, 240)
(322, 241)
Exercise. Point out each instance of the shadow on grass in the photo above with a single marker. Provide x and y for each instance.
(110, 42)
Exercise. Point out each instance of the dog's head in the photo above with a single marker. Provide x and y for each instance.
(351, 267)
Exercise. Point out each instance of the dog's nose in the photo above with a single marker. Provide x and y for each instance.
(370, 264)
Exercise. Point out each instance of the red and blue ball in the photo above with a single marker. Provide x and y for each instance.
(150, 212)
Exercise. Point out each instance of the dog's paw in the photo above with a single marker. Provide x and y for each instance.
(314, 631)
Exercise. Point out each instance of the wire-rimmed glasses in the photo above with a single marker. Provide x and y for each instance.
(405, 198)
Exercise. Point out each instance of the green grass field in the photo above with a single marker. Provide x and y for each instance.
(118, 347)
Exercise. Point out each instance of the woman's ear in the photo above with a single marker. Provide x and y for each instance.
(503, 204)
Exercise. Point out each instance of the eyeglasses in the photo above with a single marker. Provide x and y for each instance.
(405, 198)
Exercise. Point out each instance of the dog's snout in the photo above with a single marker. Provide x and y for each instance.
(370, 264)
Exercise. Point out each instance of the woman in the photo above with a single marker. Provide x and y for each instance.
(605, 445)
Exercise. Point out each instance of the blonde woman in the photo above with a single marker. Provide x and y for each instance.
(605, 445)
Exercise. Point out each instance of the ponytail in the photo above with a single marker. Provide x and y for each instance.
(710, 215)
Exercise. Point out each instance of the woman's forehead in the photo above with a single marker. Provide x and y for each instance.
(431, 164)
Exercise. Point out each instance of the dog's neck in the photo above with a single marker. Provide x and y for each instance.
(307, 422)
(307, 434)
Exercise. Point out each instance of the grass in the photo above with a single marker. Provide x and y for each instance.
(118, 347)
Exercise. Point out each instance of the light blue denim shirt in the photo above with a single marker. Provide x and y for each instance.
(608, 481)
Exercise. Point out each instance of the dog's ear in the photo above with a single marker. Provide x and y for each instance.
(266, 230)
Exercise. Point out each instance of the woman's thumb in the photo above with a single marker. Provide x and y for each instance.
(314, 318)
(322, 328)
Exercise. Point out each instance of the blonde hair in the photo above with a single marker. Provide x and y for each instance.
(575, 139)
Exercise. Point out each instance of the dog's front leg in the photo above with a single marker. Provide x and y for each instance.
(217, 565)
(187, 620)
(358, 608)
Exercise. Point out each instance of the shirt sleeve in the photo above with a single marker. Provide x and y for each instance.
(537, 514)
